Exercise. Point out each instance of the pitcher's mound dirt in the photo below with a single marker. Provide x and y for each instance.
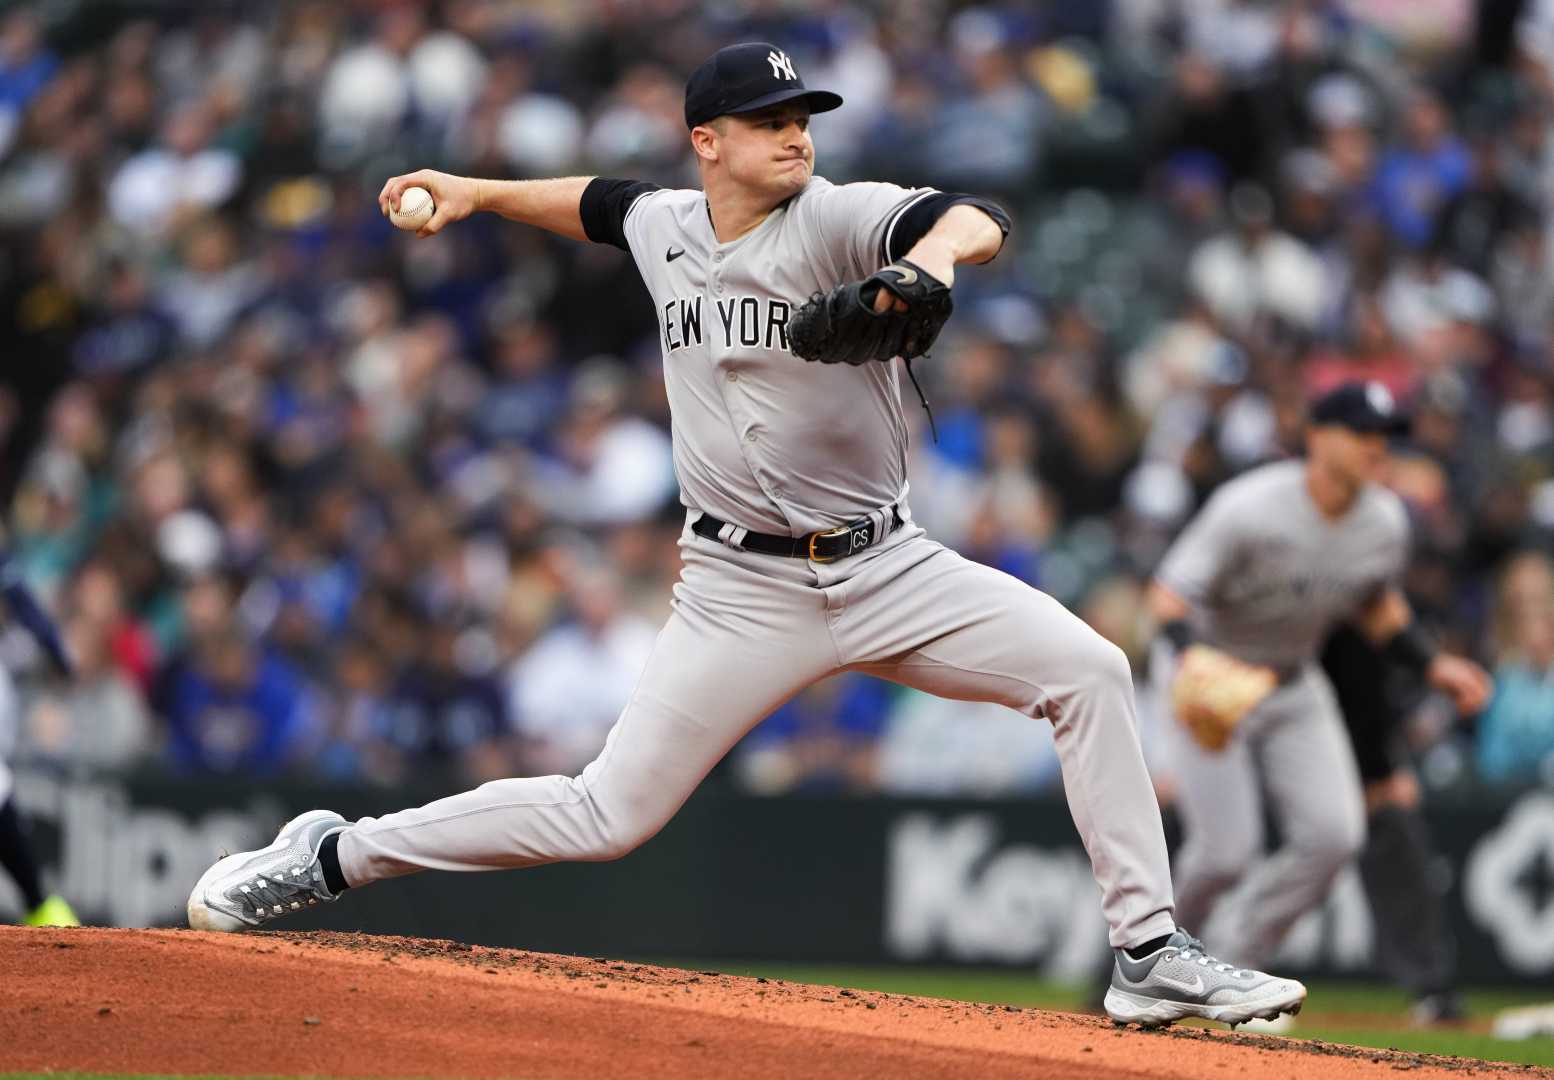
(349, 1005)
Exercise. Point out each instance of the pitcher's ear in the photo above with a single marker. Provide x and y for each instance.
(704, 140)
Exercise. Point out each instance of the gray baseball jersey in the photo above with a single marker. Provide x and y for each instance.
(762, 438)
(1268, 575)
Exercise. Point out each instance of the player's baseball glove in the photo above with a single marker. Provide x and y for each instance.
(842, 327)
(1213, 691)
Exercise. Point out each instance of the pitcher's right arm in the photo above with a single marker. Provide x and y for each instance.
(548, 204)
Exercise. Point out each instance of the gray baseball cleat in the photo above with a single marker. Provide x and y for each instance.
(1179, 980)
(249, 888)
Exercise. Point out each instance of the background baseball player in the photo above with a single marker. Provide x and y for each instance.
(16, 851)
(1247, 594)
(800, 554)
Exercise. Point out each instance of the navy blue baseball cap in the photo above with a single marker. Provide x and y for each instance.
(746, 77)
(1366, 407)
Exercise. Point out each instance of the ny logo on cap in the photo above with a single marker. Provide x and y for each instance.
(1380, 398)
(782, 67)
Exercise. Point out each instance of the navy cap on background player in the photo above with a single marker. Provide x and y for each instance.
(746, 77)
(1366, 407)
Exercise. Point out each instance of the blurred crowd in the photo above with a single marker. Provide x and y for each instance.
(311, 495)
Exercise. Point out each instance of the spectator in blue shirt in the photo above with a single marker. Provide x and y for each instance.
(823, 740)
(446, 707)
(1516, 732)
(1417, 179)
(238, 709)
(25, 64)
(529, 389)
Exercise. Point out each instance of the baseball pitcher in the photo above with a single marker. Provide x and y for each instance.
(784, 302)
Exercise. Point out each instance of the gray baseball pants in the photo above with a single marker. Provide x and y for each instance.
(748, 631)
(1293, 746)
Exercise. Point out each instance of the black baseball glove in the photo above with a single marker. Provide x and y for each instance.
(842, 327)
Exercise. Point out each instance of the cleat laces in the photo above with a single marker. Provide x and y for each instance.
(267, 896)
(1193, 951)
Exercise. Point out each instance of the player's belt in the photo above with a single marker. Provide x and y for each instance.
(826, 546)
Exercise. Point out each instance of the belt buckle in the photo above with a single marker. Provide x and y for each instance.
(862, 534)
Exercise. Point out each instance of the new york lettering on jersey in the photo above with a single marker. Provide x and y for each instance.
(751, 321)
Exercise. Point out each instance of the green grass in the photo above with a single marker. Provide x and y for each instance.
(1468, 1044)
(1326, 1016)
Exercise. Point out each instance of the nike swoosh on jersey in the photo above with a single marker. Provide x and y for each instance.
(673, 253)
(1194, 987)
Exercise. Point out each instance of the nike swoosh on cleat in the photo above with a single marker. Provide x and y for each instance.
(1194, 987)
(673, 253)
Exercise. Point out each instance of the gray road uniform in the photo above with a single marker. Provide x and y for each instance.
(767, 443)
(1268, 576)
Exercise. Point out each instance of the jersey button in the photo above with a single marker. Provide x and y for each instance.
(717, 257)
(750, 437)
(733, 376)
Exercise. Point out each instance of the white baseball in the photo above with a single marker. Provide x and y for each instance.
(415, 209)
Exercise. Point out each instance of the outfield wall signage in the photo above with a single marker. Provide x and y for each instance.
(1508, 886)
(804, 879)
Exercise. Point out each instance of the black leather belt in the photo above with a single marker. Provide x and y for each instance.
(823, 547)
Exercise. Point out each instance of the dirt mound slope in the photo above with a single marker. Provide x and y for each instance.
(351, 1005)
